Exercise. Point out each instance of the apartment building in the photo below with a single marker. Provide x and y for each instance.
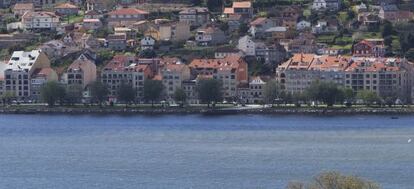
(299, 72)
(385, 76)
(80, 74)
(231, 71)
(173, 76)
(125, 69)
(20, 69)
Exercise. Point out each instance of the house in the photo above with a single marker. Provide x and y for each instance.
(53, 49)
(260, 25)
(130, 33)
(126, 17)
(117, 42)
(96, 5)
(190, 89)
(303, 43)
(271, 54)
(277, 33)
(247, 45)
(210, 36)
(369, 48)
(40, 20)
(303, 25)
(20, 69)
(92, 14)
(173, 76)
(88, 41)
(243, 8)
(195, 16)
(256, 90)
(231, 70)
(80, 74)
(393, 14)
(91, 23)
(368, 19)
(361, 8)
(323, 27)
(330, 5)
(67, 9)
(147, 42)
(173, 31)
(20, 8)
(125, 70)
(222, 52)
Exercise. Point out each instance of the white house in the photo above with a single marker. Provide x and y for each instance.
(319, 5)
(247, 45)
(40, 20)
(302, 25)
(147, 43)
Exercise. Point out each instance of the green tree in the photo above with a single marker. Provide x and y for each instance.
(369, 97)
(326, 92)
(147, 53)
(349, 96)
(214, 5)
(7, 97)
(209, 91)
(126, 93)
(387, 29)
(99, 92)
(410, 54)
(243, 29)
(180, 96)
(74, 94)
(51, 92)
(153, 90)
(271, 91)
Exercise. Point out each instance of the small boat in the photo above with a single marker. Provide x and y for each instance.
(394, 117)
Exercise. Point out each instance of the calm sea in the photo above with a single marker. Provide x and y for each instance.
(195, 151)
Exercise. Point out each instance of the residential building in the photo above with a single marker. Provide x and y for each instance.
(384, 76)
(40, 20)
(330, 5)
(20, 8)
(303, 25)
(91, 23)
(126, 17)
(271, 54)
(117, 42)
(173, 76)
(80, 74)
(243, 8)
(67, 9)
(260, 25)
(92, 14)
(195, 16)
(303, 43)
(210, 36)
(39, 77)
(125, 69)
(300, 71)
(147, 42)
(247, 45)
(391, 13)
(190, 89)
(256, 90)
(227, 51)
(278, 33)
(20, 69)
(96, 5)
(231, 71)
(369, 48)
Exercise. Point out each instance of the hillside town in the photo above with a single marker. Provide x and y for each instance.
(213, 51)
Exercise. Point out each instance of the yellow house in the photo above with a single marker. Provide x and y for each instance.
(153, 32)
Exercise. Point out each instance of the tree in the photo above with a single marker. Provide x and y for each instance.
(387, 29)
(410, 54)
(243, 29)
(271, 91)
(7, 97)
(180, 96)
(147, 53)
(126, 93)
(99, 92)
(349, 96)
(52, 92)
(326, 92)
(369, 97)
(209, 91)
(153, 90)
(74, 94)
(214, 5)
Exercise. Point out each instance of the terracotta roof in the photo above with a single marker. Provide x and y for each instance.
(91, 20)
(92, 12)
(375, 65)
(23, 6)
(228, 11)
(258, 21)
(41, 13)
(43, 72)
(242, 4)
(229, 62)
(175, 67)
(128, 11)
(66, 6)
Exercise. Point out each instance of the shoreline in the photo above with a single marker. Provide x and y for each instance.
(205, 111)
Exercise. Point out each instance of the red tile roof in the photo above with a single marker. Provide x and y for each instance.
(128, 11)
